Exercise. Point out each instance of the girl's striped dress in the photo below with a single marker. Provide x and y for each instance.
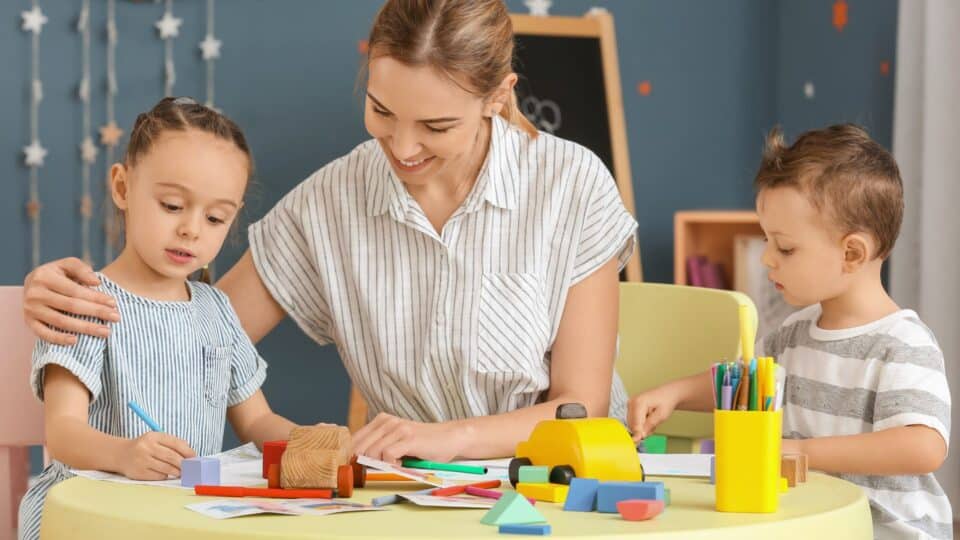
(182, 362)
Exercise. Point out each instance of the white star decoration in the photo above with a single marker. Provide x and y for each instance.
(34, 154)
(88, 151)
(83, 20)
(33, 20)
(808, 90)
(169, 26)
(83, 92)
(540, 8)
(210, 47)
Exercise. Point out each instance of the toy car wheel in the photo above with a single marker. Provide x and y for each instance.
(562, 474)
(359, 473)
(515, 465)
(345, 481)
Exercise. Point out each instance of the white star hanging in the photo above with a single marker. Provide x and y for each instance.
(210, 47)
(33, 20)
(808, 90)
(83, 91)
(83, 19)
(169, 26)
(88, 151)
(540, 8)
(34, 154)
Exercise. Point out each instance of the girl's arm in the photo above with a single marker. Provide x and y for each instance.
(901, 450)
(258, 312)
(581, 371)
(253, 420)
(72, 441)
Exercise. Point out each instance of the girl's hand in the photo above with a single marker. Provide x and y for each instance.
(389, 438)
(647, 410)
(154, 456)
(62, 286)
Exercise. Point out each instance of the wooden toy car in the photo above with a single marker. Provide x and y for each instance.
(318, 457)
(573, 445)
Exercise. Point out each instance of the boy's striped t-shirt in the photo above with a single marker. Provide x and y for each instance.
(882, 375)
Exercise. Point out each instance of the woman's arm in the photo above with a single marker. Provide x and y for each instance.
(258, 312)
(581, 371)
(253, 420)
(900, 450)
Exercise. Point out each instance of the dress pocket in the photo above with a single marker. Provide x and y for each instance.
(513, 323)
(216, 373)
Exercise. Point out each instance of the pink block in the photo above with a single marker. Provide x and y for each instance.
(639, 509)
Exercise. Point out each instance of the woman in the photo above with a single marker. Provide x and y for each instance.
(465, 266)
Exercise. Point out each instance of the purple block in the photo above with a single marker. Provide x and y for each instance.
(200, 470)
(707, 446)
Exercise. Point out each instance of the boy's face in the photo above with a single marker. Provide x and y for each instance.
(803, 254)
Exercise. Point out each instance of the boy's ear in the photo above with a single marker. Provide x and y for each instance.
(857, 248)
(119, 184)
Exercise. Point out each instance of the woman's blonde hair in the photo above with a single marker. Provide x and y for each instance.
(471, 41)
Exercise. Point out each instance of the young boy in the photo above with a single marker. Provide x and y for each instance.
(866, 396)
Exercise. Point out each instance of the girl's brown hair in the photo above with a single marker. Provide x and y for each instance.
(181, 114)
(471, 41)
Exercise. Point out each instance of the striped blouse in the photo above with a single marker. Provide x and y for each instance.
(182, 362)
(435, 326)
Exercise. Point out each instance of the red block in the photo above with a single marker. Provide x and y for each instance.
(272, 451)
(639, 510)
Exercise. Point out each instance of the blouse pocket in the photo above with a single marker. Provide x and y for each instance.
(513, 323)
(216, 374)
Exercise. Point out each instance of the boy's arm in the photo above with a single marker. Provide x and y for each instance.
(74, 442)
(647, 410)
(912, 450)
(253, 420)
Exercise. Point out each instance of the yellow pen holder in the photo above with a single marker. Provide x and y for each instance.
(747, 460)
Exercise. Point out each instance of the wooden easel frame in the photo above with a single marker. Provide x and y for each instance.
(598, 25)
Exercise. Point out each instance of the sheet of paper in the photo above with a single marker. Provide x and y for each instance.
(676, 464)
(241, 466)
(231, 508)
(426, 477)
(455, 501)
(497, 469)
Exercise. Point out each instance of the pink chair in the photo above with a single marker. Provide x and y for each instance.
(21, 414)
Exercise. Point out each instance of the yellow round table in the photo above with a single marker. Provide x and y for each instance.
(823, 507)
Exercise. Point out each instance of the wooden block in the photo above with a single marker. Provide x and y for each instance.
(790, 469)
(639, 509)
(554, 493)
(530, 474)
(313, 457)
(800, 475)
(804, 464)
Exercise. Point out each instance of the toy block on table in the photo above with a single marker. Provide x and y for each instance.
(553, 493)
(313, 457)
(582, 496)
(713, 469)
(200, 470)
(610, 493)
(535, 529)
(272, 452)
(655, 444)
(639, 510)
(512, 508)
(707, 446)
(273, 476)
(794, 468)
(530, 474)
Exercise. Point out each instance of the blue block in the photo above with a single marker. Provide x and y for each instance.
(582, 496)
(200, 470)
(539, 529)
(610, 493)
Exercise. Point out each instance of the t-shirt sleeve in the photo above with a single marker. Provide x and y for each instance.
(286, 260)
(84, 360)
(608, 228)
(248, 370)
(912, 390)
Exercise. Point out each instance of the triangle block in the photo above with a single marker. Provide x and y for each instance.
(512, 508)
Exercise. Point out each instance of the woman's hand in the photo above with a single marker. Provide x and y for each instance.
(647, 410)
(389, 438)
(154, 456)
(60, 287)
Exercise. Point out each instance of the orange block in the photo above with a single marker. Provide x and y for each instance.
(273, 476)
(639, 509)
(272, 452)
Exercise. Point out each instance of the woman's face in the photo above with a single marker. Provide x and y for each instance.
(426, 123)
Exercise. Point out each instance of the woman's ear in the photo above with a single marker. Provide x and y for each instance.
(857, 248)
(119, 185)
(501, 97)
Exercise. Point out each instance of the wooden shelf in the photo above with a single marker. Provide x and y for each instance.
(709, 233)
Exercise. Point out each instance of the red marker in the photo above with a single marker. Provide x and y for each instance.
(457, 490)
(490, 494)
(238, 491)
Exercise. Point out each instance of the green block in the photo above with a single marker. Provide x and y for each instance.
(666, 496)
(655, 444)
(531, 474)
(512, 508)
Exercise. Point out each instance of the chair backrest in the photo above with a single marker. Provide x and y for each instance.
(671, 331)
(21, 414)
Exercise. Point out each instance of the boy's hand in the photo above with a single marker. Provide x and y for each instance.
(645, 411)
(154, 456)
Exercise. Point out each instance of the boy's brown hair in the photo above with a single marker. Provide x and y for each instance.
(845, 174)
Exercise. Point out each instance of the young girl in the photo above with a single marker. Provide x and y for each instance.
(180, 352)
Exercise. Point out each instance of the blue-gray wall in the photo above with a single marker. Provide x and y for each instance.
(722, 74)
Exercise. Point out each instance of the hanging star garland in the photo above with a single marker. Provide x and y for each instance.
(33, 20)
(34, 153)
(169, 28)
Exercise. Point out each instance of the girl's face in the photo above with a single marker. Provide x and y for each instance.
(425, 123)
(180, 199)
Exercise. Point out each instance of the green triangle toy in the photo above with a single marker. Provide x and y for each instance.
(512, 508)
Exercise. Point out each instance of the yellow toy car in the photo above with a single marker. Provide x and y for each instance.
(573, 445)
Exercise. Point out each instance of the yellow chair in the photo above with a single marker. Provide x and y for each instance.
(671, 331)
